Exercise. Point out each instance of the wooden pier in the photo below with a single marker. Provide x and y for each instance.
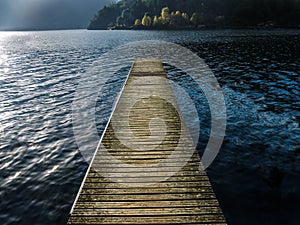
(146, 170)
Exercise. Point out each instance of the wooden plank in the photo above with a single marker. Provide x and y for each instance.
(186, 184)
(154, 204)
(129, 197)
(147, 211)
(150, 174)
(180, 219)
(141, 173)
(151, 190)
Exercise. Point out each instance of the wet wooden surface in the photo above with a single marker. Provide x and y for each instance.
(145, 170)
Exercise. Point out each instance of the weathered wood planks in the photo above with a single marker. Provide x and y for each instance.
(145, 170)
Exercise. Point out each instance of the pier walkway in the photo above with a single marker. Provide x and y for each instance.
(146, 170)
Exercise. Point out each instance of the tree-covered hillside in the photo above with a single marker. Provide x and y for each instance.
(164, 14)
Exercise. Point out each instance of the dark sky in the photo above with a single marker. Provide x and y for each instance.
(47, 14)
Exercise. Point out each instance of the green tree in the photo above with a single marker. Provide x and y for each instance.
(155, 21)
(165, 15)
(105, 17)
(195, 19)
(137, 22)
(177, 20)
(138, 9)
(146, 21)
(160, 20)
(185, 18)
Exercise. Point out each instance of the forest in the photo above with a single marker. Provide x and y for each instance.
(197, 14)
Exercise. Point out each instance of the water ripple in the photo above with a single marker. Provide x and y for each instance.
(41, 167)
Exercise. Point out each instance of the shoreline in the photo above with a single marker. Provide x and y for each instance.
(173, 29)
(204, 28)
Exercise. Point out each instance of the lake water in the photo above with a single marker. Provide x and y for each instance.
(256, 175)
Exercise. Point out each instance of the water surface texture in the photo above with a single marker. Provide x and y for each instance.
(256, 175)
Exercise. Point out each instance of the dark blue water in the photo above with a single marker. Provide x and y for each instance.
(256, 175)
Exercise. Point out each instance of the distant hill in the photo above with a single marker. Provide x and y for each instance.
(147, 14)
(47, 14)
